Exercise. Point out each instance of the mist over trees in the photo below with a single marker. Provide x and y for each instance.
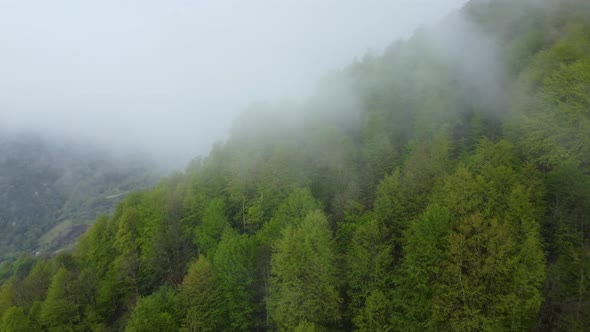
(441, 186)
(50, 190)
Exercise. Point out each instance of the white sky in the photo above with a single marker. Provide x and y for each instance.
(167, 77)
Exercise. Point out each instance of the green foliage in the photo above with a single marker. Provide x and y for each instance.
(553, 102)
(307, 327)
(375, 315)
(199, 294)
(234, 263)
(420, 269)
(15, 320)
(7, 295)
(44, 183)
(5, 270)
(165, 246)
(36, 284)
(458, 195)
(60, 310)
(96, 248)
(303, 284)
(211, 228)
(478, 261)
(369, 261)
(291, 212)
(404, 194)
(566, 235)
(157, 312)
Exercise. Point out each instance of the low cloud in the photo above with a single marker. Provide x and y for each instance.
(168, 78)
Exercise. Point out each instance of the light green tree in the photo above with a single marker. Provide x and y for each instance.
(234, 263)
(304, 284)
(200, 298)
(15, 320)
(157, 312)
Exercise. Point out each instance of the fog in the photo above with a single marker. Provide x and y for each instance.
(168, 77)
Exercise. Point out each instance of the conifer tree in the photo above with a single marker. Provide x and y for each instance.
(304, 284)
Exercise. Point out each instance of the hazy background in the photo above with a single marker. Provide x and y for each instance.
(168, 77)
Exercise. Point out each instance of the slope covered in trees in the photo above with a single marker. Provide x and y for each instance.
(45, 183)
(441, 186)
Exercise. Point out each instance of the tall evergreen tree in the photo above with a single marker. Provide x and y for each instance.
(304, 284)
(234, 263)
(199, 295)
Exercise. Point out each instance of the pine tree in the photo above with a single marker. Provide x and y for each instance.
(157, 312)
(304, 284)
(212, 225)
(420, 269)
(59, 310)
(368, 270)
(234, 263)
(15, 320)
(200, 298)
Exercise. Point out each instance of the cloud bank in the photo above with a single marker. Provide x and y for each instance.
(168, 77)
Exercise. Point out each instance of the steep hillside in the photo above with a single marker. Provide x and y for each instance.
(441, 186)
(46, 183)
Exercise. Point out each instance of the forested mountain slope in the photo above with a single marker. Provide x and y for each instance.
(441, 186)
(45, 183)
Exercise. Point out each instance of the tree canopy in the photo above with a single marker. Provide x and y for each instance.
(443, 185)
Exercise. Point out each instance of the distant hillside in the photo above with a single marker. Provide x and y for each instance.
(47, 183)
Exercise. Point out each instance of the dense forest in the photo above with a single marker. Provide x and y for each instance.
(441, 186)
(50, 190)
